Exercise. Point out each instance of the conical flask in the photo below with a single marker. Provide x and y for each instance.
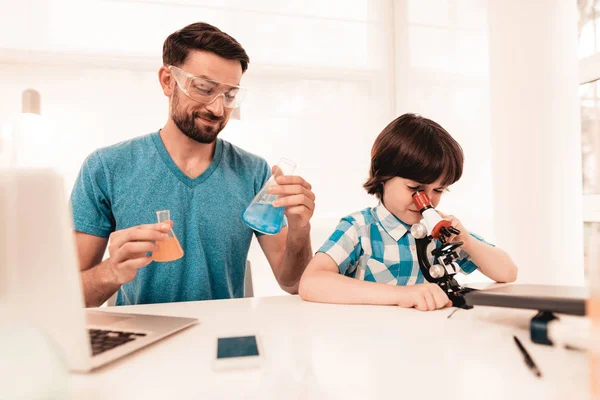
(261, 215)
(169, 249)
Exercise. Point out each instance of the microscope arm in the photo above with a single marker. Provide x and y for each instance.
(443, 279)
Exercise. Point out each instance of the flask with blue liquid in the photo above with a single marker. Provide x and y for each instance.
(261, 215)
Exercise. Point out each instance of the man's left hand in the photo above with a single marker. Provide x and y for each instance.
(296, 196)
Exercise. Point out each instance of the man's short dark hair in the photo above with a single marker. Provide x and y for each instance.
(415, 148)
(202, 36)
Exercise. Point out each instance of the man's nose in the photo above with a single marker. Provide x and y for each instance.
(216, 106)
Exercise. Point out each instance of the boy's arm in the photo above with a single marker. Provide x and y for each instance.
(322, 282)
(493, 262)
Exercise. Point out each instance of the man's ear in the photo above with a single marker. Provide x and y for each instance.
(166, 80)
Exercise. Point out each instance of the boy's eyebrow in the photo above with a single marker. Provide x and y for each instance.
(424, 184)
(436, 188)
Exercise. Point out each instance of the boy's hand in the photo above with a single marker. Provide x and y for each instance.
(295, 194)
(423, 297)
(464, 235)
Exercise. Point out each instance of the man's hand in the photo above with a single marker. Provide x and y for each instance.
(296, 196)
(423, 297)
(128, 249)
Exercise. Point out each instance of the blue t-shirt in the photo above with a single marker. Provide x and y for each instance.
(125, 184)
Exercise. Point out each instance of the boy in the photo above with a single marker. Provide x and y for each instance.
(375, 246)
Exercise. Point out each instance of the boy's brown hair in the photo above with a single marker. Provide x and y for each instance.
(415, 148)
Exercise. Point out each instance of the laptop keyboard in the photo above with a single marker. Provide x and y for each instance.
(103, 340)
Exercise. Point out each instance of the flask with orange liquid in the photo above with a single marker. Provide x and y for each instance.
(170, 249)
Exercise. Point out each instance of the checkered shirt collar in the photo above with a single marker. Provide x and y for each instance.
(392, 225)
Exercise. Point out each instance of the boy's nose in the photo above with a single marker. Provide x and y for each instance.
(429, 193)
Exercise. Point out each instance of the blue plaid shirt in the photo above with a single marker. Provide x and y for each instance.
(374, 245)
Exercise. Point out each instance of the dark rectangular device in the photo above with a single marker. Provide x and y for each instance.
(558, 299)
(240, 346)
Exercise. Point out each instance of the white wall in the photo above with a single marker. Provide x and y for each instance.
(441, 72)
(536, 138)
(82, 109)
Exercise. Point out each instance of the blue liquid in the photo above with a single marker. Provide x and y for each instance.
(264, 218)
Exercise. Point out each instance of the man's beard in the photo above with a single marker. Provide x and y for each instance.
(187, 123)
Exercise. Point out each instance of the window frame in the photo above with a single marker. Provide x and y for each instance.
(589, 71)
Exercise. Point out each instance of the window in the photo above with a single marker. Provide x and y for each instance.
(589, 94)
(589, 27)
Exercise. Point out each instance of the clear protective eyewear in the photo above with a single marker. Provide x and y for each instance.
(204, 90)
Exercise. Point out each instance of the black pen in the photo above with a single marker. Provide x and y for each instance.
(527, 358)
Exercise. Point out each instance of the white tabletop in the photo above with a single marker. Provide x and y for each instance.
(341, 352)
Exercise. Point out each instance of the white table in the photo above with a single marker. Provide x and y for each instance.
(341, 352)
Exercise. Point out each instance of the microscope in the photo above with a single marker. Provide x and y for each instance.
(433, 227)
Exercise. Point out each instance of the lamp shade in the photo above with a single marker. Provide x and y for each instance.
(31, 102)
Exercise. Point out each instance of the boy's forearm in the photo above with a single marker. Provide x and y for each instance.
(493, 262)
(331, 287)
(97, 285)
(298, 253)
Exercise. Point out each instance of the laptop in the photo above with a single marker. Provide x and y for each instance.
(40, 279)
(559, 299)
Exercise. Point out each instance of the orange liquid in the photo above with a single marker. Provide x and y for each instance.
(168, 250)
(593, 312)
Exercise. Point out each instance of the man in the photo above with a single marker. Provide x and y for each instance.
(205, 182)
